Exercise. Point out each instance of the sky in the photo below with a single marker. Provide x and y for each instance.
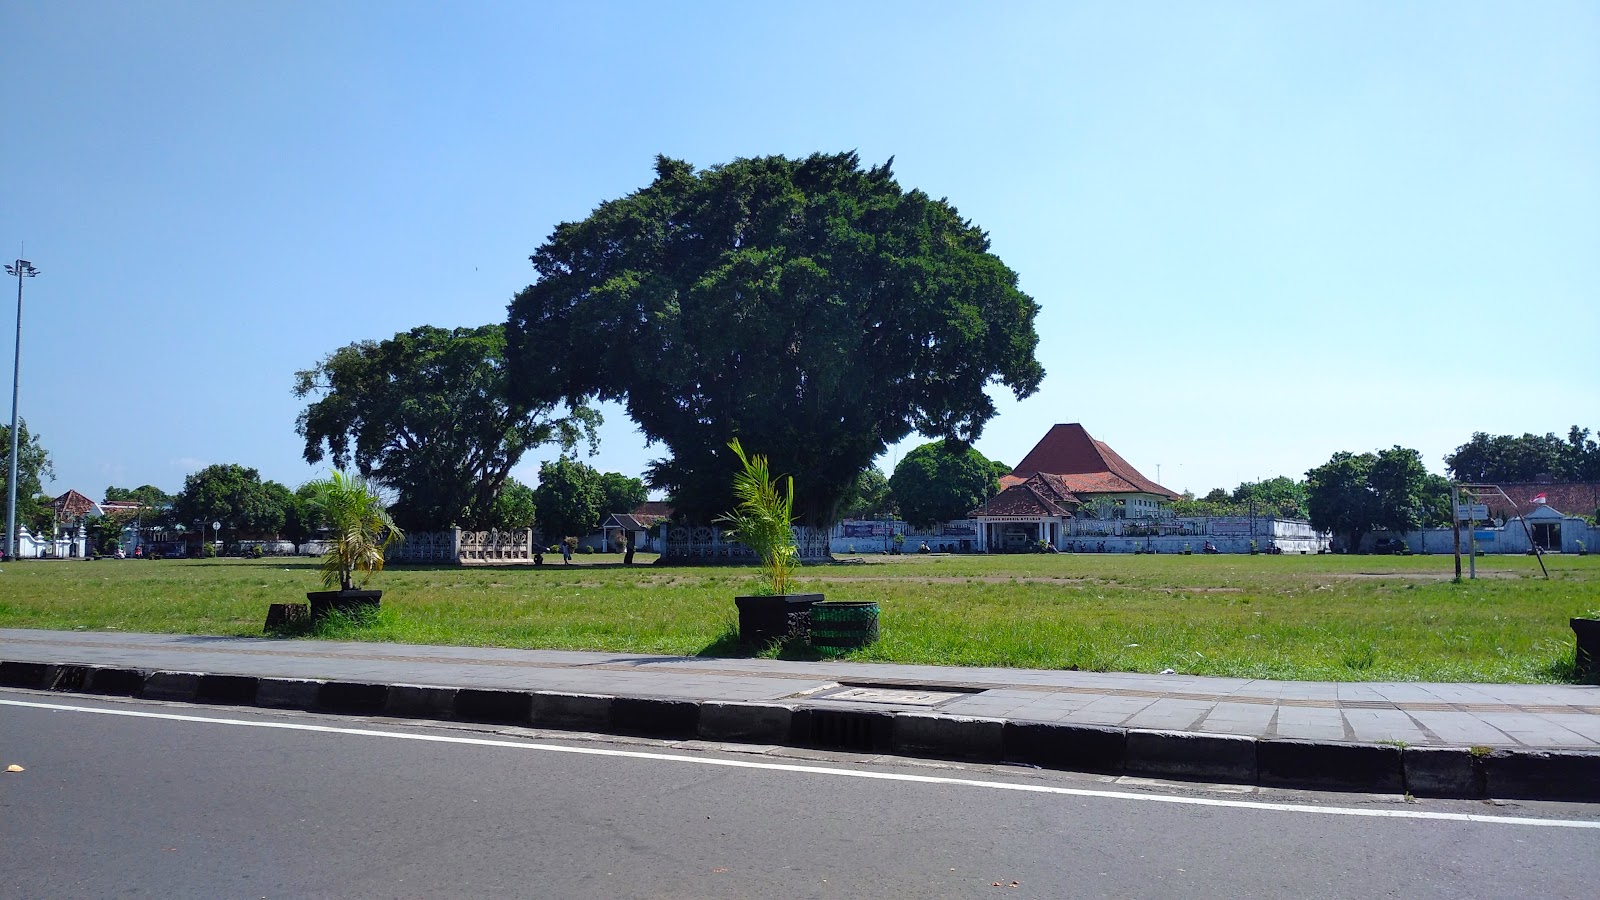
(1259, 233)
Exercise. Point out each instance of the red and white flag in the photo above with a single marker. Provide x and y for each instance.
(1540, 499)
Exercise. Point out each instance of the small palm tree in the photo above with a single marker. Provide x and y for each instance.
(763, 519)
(361, 529)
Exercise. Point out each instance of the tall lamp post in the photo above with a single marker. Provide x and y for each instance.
(22, 269)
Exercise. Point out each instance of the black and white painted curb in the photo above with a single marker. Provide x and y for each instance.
(1477, 773)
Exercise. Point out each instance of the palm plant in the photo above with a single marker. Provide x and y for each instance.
(763, 519)
(360, 529)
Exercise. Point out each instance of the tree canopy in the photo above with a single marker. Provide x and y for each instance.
(868, 497)
(233, 495)
(569, 497)
(147, 495)
(1279, 496)
(515, 507)
(621, 494)
(155, 505)
(943, 480)
(1351, 495)
(426, 414)
(1504, 458)
(302, 517)
(809, 307)
(33, 466)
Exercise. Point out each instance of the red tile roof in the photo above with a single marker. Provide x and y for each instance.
(1042, 494)
(1090, 466)
(653, 509)
(72, 505)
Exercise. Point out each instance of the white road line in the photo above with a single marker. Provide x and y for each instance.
(824, 770)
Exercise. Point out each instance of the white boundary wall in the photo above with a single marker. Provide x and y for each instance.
(1229, 534)
(1508, 538)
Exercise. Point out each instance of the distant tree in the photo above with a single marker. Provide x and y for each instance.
(1341, 497)
(1352, 495)
(426, 413)
(568, 497)
(145, 495)
(1188, 505)
(33, 466)
(515, 507)
(1281, 496)
(621, 494)
(155, 505)
(302, 516)
(809, 307)
(233, 495)
(940, 481)
(105, 532)
(1506, 458)
(869, 496)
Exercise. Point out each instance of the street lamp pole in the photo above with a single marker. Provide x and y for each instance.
(22, 269)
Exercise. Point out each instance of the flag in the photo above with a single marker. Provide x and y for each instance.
(1540, 499)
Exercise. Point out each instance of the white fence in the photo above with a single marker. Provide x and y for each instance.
(1574, 535)
(511, 547)
(31, 547)
(1228, 534)
(704, 543)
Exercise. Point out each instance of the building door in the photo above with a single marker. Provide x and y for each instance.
(1547, 536)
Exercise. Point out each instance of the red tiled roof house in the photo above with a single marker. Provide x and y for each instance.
(1067, 474)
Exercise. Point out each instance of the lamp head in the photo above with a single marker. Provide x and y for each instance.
(22, 268)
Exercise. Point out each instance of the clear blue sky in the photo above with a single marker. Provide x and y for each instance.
(1259, 232)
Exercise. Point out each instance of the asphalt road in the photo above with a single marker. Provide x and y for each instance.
(138, 805)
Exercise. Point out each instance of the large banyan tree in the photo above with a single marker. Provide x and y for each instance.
(812, 308)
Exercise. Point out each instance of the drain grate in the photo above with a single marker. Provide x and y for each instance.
(893, 696)
(864, 732)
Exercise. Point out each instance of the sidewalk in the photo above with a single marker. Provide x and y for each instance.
(1534, 741)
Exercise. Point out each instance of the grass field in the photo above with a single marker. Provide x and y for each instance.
(1299, 617)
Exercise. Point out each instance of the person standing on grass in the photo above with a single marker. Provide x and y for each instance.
(566, 551)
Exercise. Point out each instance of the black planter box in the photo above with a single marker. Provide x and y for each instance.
(1588, 632)
(768, 620)
(351, 603)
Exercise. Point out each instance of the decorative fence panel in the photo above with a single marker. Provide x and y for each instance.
(468, 548)
(496, 547)
(427, 547)
(704, 543)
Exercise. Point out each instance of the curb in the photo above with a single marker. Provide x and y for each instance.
(1444, 772)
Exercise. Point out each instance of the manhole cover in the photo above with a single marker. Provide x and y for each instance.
(892, 695)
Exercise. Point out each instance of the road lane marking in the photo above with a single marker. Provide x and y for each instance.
(825, 770)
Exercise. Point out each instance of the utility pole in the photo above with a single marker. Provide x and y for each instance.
(1455, 523)
(22, 269)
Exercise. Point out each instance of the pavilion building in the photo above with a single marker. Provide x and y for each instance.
(1068, 475)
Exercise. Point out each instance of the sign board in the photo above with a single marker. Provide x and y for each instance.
(1475, 512)
(1483, 536)
(1229, 525)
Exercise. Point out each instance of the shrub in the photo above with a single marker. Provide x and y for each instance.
(763, 519)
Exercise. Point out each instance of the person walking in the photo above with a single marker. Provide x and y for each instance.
(566, 551)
